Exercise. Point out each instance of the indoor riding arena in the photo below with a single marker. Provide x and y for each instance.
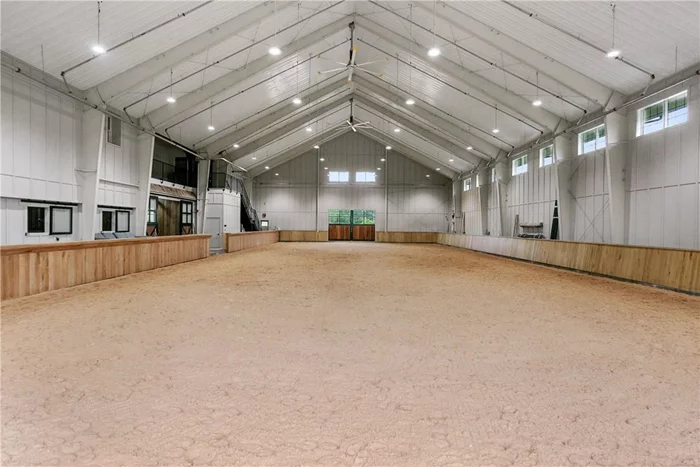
(350, 233)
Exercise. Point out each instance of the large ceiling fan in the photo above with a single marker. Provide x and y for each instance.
(351, 121)
(352, 65)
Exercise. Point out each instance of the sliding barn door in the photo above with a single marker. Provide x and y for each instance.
(346, 224)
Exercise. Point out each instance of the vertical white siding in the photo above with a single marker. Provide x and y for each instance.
(119, 176)
(416, 202)
(531, 195)
(589, 187)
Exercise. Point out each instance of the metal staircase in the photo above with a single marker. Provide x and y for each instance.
(249, 216)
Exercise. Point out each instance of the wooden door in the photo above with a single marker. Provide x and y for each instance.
(363, 233)
(338, 232)
(168, 217)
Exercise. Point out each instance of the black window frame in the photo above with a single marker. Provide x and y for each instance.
(111, 221)
(189, 212)
(70, 220)
(43, 220)
(116, 220)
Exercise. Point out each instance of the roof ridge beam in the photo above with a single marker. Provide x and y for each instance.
(201, 96)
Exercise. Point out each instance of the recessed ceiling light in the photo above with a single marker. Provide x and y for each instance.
(236, 146)
(397, 130)
(211, 128)
(274, 50)
(322, 159)
(438, 169)
(495, 130)
(452, 160)
(254, 158)
(537, 102)
(379, 168)
(613, 53)
(388, 148)
(277, 175)
(427, 175)
(98, 49)
(267, 168)
(382, 159)
(410, 101)
(308, 128)
(325, 168)
(469, 148)
(434, 52)
(296, 101)
(170, 100)
(316, 146)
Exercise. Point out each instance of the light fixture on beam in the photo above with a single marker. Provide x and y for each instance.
(296, 101)
(211, 127)
(452, 160)
(316, 147)
(397, 130)
(277, 175)
(388, 148)
(469, 148)
(427, 175)
(434, 52)
(235, 146)
(410, 101)
(322, 159)
(171, 99)
(308, 129)
(267, 168)
(537, 102)
(98, 49)
(438, 169)
(379, 168)
(613, 52)
(382, 160)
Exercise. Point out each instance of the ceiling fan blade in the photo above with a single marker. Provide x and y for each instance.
(370, 63)
(352, 56)
(331, 71)
(353, 129)
(373, 73)
(350, 74)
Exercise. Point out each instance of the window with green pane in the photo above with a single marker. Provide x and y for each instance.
(678, 109)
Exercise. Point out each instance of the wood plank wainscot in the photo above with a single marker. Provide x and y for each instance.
(303, 236)
(244, 240)
(665, 267)
(36, 268)
(407, 237)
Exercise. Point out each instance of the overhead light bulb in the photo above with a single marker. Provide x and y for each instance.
(537, 102)
(98, 49)
(495, 130)
(274, 50)
(316, 147)
(236, 146)
(410, 101)
(254, 158)
(613, 53)
(469, 148)
(170, 100)
(452, 160)
(308, 128)
(267, 168)
(434, 52)
(325, 168)
(388, 148)
(382, 159)
(322, 159)
(379, 168)
(397, 130)
(277, 175)
(296, 101)
(438, 169)
(427, 175)
(211, 128)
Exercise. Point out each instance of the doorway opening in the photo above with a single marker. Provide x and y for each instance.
(351, 225)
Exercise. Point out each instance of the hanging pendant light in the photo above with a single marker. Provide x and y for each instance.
(613, 53)
(410, 100)
(211, 117)
(274, 50)
(171, 99)
(98, 49)
(435, 50)
(537, 102)
(495, 119)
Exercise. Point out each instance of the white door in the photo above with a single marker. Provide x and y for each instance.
(213, 226)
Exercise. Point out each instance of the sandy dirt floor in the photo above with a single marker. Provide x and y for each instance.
(352, 354)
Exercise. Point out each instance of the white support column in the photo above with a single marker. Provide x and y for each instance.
(564, 150)
(88, 169)
(502, 180)
(615, 156)
(203, 168)
(484, 185)
(144, 154)
(457, 221)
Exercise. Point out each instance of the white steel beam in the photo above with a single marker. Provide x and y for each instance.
(556, 71)
(490, 91)
(136, 75)
(201, 97)
(322, 108)
(275, 114)
(426, 116)
(411, 125)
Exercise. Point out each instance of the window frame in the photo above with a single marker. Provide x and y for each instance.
(664, 114)
(347, 176)
(189, 212)
(543, 157)
(154, 211)
(116, 220)
(493, 175)
(513, 166)
(111, 133)
(46, 217)
(70, 220)
(596, 139)
(467, 184)
(102, 220)
(374, 176)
